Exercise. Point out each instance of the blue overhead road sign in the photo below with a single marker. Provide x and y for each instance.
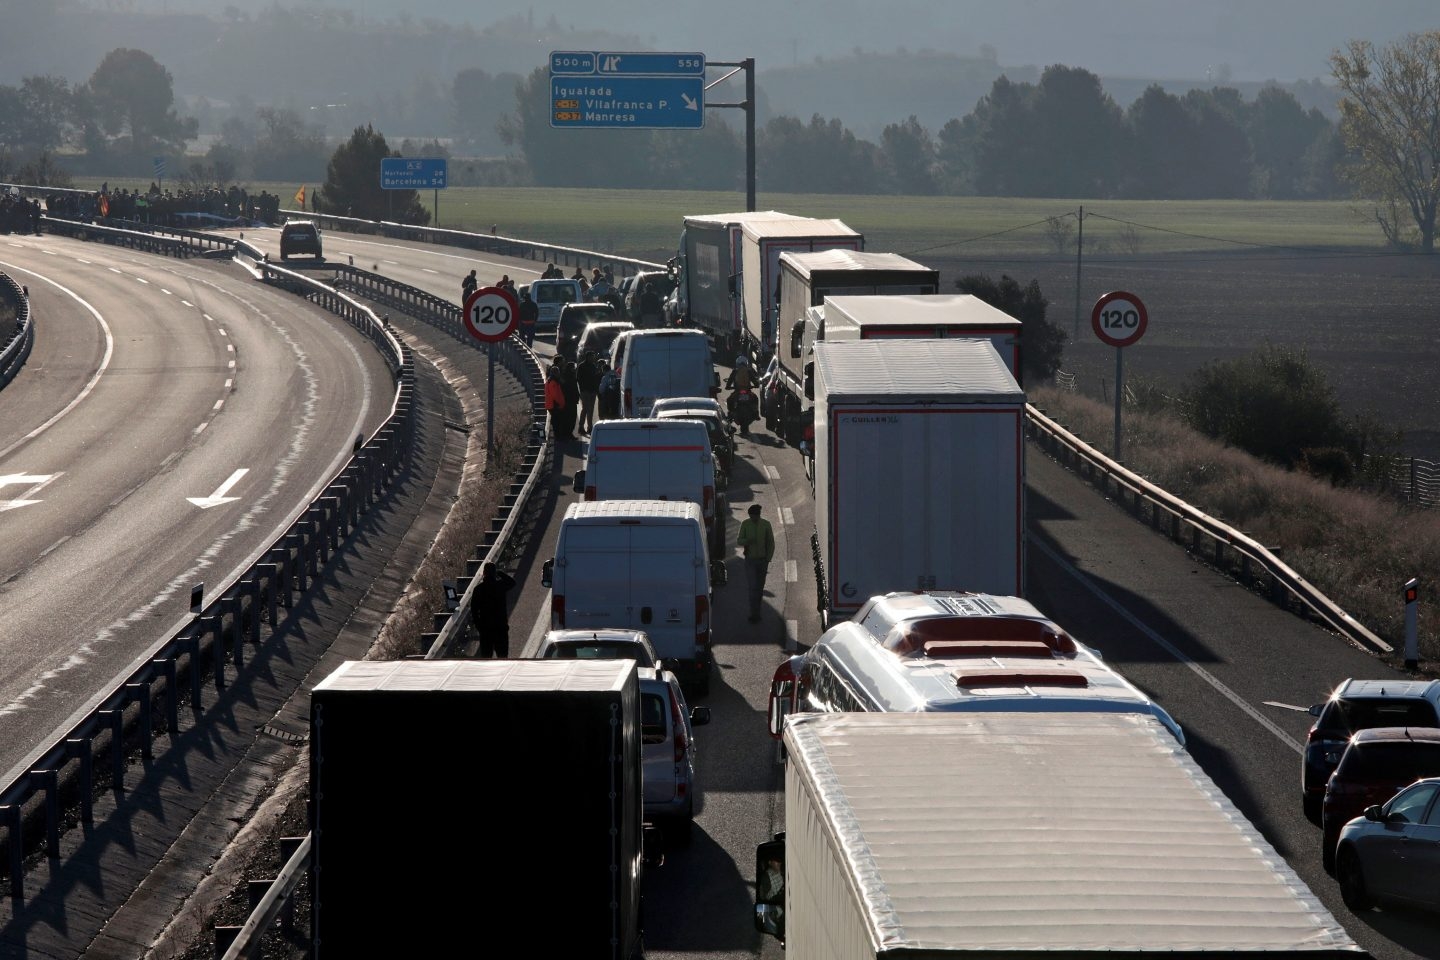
(413, 173)
(571, 63)
(627, 102)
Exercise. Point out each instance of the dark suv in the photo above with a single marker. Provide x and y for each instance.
(299, 236)
(1354, 706)
(574, 318)
(1378, 763)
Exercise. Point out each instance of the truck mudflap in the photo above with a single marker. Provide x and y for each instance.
(822, 594)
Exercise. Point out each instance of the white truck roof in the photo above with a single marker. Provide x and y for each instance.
(608, 511)
(809, 262)
(938, 371)
(995, 834)
(909, 310)
(742, 217)
(799, 227)
(471, 675)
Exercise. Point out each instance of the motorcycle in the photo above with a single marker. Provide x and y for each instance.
(744, 409)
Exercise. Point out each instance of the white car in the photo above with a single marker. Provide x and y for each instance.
(1392, 853)
(688, 403)
(602, 644)
(668, 753)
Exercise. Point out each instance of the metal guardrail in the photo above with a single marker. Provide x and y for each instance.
(44, 787)
(147, 241)
(15, 343)
(487, 242)
(1182, 522)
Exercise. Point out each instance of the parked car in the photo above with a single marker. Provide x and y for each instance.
(300, 236)
(1377, 763)
(667, 733)
(1392, 852)
(598, 338)
(601, 644)
(662, 282)
(551, 296)
(1354, 706)
(709, 411)
(574, 318)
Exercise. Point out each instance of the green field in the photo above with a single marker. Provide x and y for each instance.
(647, 222)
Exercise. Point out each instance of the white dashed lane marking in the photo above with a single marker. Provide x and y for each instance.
(792, 571)
(772, 472)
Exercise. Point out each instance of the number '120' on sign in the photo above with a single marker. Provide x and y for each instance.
(1119, 318)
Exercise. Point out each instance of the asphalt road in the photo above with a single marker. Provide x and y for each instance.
(153, 381)
(1234, 670)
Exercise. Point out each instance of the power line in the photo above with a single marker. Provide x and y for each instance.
(987, 236)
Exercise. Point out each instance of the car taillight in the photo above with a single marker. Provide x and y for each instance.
(557, 611)
(783, 686)
(708, 498)
(590, 493)
(682, 743)
(702, 625)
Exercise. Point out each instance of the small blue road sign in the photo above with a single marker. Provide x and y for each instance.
(413, 173)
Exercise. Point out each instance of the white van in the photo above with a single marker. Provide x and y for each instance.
(551, 296)
(655, 460)
(662, 363)
(639, 565)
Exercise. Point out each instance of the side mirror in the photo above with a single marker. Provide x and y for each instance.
(579, 484)
(547, 573)
(770, 919)
(797, 338)
(699, 716)
(652, 846)
(1315, 709)
(1374, 813)
(770, 887)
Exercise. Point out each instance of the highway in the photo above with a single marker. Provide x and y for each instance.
(173, 417)
(1235, 671)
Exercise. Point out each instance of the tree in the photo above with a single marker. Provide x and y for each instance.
(1282, 135)
(1390, 122)
(287, 148)
(132, 95)
(1161, 136)
(1218, 159)
(820, 157)
(1042, 343)
(1081, 131)
(352, 182)
(909, 157)
(1006, 158)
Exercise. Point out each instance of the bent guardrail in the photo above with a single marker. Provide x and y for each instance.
(17, 340)
(1185, 524)
(59, 779)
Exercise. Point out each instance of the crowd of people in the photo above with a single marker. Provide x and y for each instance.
(18, 215)
(578, 394)
(167, 208)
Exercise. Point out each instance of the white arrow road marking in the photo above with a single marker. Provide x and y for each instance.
(1286, 706)
(690, 103)
(35, 482)
(218, 497)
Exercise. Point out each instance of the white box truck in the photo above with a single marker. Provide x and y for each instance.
(987, 835)
(919, 471)
(762, 244)
(941, 317)
(637, 565)
(708, 294)
(551, 743)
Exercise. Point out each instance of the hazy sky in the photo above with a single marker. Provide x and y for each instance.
(1254, 39)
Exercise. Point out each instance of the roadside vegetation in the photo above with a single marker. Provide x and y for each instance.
(1356, 546)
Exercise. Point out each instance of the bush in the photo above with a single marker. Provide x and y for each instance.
(1042, 343)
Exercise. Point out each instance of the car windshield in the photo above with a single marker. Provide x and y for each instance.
(601, 651)
(554, 293)
(1399, 762)
(1351, 715)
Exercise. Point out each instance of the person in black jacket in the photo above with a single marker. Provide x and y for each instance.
(587, 377)
(490, 613)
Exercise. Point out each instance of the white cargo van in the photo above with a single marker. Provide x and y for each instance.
(551, 296)
(662, 363)
(655, 460)
(640, 565)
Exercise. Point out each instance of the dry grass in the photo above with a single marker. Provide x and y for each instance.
(1357, 547)
(481, 493)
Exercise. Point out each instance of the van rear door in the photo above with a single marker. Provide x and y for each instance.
(663, 577)
(595, 589)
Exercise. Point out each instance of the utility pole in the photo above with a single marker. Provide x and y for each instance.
(1079, 248)
(748, 105)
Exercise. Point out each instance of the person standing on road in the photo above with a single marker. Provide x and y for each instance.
(555, 403)
(572, 395)
(609, 394)
(757, 540)
(468, 285)
(529, 316)
(587, 377)
(490, 613)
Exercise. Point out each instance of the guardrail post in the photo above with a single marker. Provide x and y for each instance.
(140, 692)
(168, 668)
(271, 574)
(212, 626)
(116, 721)
(334, 520)
(15, 829)
(251, 586)
(78, 748)
(192, 643)
(47, 781)
(224, 938)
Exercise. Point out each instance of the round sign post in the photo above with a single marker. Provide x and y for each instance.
(1119, 319)
(490, 315)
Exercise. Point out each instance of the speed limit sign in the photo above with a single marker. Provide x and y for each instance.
(1119, 318)
(490, 314)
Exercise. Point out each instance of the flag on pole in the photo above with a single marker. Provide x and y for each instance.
(300, 197)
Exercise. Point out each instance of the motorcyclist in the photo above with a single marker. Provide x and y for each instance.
(742, 381)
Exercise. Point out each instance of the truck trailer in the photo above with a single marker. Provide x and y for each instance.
(919, 471)
(991, 835)
(806, 280)
(708, 295)
(548, 748)
(762, 242)
(946, 316)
